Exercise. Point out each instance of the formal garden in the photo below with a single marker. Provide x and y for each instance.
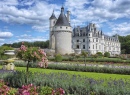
(33, 72)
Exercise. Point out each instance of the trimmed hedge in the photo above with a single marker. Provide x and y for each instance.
(125, 71)
(78, 67)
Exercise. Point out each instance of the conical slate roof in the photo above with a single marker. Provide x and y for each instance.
(62, 20)
(53, 16)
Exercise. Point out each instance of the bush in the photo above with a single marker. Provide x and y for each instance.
(106, 54)
(99, 54)
(45, 90)
(58, 58)
(5, 90)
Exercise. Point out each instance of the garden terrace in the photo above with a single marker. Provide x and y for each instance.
(74, 83)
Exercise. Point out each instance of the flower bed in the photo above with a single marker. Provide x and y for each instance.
(72, 84)
(29, 90)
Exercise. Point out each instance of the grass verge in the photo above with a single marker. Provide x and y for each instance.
(88, 74)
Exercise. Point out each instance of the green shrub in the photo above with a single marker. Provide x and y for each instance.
(58, 58)
(45, 90)
(2, 50)
(99, 54)
(106, 54)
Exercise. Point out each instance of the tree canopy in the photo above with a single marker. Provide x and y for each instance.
(125, 44)
(41, 44)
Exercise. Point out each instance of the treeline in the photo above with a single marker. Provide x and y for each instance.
(125, 44)
(124, 40)
(41, 44)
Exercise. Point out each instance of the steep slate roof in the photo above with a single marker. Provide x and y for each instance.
(53, 16)
(62, 20)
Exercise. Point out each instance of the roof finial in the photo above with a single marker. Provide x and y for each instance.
(53, 10)
(62, 8)
(62, 5)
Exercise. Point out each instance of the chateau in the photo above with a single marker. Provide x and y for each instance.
(92, 40)
(64, 40)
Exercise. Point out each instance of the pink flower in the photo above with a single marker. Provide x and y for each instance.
(42, 59)
(40, 64)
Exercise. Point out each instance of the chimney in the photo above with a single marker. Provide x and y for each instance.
(68, 16)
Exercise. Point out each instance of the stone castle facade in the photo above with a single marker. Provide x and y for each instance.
(61, 33)
(88, 38)
(92, 40)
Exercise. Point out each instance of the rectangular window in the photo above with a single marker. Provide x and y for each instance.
(83, 46)
(83, 40)
(77, 40)
(77, 46)
(97, 40)
(93, 46)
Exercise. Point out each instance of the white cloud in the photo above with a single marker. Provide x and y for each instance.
(37, 12)
(121, 29)
(8, 2)
(29, 38)
(36, 15)
(97, 10)
(1, 40)
(5, 34)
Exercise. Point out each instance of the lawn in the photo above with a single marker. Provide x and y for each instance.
(88, 74)
(74, 82)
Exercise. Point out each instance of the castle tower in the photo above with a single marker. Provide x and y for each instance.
(53, 20)
(62, 32)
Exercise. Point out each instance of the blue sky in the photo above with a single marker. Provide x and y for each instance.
(28, 20)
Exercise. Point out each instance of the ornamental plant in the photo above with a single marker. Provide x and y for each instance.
(30, 54)
(106, 54)
(28, 90)
(5, 90)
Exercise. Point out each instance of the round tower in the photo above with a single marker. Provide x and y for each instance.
(63, 35)
(53, 20)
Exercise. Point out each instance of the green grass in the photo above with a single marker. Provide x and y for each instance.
(88, 74)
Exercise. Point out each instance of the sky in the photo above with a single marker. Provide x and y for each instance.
(28, 20)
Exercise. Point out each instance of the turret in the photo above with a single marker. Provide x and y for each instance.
(68, 16)
(63, 34)
(53, 20)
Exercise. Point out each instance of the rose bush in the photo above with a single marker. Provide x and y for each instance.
(30, 54)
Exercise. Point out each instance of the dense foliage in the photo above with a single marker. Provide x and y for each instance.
(58, 58)
(72, 84)
(29, 89)
(2, 50)
(41, 44)
(125, 44)
(99, 54)
(106, 54)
